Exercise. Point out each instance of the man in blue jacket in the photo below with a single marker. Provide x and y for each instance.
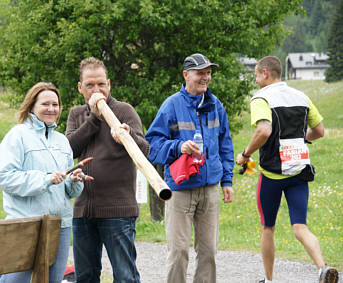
(195, 201)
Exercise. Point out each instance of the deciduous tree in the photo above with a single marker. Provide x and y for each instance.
(142, 42)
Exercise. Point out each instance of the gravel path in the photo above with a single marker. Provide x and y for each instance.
(232, 267)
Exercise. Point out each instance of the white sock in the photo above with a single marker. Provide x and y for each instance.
(268, 281)
(320, 270)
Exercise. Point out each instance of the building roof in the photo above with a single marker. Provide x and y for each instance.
(248, 61)
(308, 60)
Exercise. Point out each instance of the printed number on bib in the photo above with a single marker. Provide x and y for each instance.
(294, 154)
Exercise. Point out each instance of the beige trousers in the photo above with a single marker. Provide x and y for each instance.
(198, 207)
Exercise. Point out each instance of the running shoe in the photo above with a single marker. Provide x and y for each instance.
(328, 275)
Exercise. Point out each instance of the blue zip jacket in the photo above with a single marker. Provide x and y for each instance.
(176, 122)
(27, 158)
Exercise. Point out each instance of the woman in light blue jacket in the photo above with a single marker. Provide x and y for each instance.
(33, 161)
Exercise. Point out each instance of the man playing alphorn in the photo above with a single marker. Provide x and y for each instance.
(106, 212)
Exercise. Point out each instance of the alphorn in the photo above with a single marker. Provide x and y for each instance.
(148, 170)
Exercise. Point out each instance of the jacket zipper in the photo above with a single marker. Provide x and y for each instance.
(202, 133)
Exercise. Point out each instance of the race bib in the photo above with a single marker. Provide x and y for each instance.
(294, 155)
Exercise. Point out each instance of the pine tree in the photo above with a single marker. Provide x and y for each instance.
(335, 47)
(316, 18)
(297, 41)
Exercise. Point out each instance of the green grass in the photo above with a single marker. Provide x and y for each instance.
(327, 97)
(239, 221)
(7, 115)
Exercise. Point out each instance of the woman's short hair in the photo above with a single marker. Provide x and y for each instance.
(31, 98)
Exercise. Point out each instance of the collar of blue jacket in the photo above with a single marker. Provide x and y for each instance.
(194, 99)
(38, 124)
(33, 122)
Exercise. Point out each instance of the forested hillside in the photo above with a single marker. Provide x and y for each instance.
(309, 32)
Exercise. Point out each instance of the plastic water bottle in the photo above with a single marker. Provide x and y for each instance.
(199, 141)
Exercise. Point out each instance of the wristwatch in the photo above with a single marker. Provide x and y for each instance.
(243, 154)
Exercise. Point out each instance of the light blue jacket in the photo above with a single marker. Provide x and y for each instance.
(27, 158)
(176, 122)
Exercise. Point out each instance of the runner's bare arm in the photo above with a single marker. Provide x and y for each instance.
(315, 133)
(261, 135)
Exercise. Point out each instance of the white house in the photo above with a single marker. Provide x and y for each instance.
(306, 66)
(248, 62)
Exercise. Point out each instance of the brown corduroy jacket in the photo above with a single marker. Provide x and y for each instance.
(113, 192)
